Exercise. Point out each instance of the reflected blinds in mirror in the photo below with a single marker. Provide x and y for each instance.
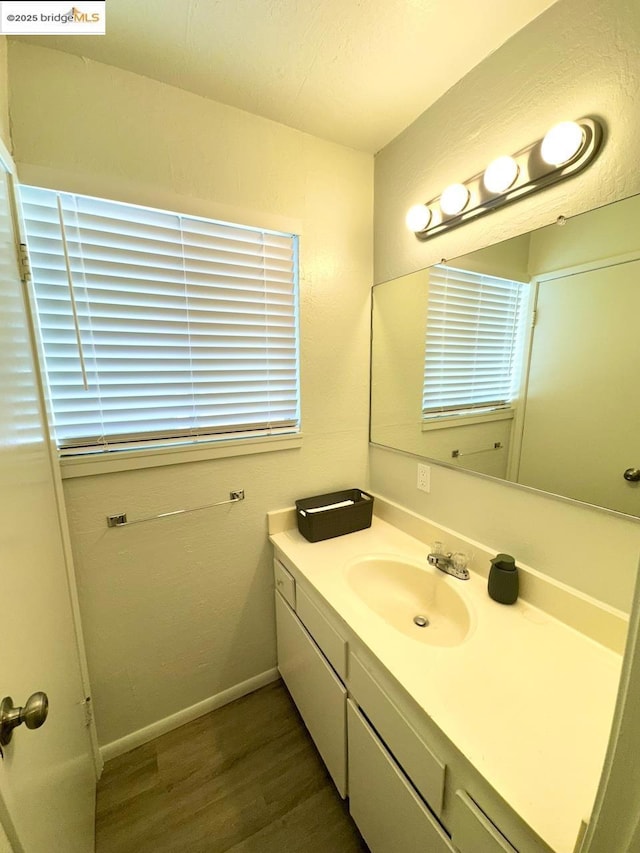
(473, 342)
(186, 328)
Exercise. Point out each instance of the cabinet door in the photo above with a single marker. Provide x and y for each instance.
(328, 640)
(472, 831)
(387, 810)
(318, 693)
(425, 770)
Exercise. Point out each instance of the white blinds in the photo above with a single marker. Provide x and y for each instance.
(187, 327)
(473, 342)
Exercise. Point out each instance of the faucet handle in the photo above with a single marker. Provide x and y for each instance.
(459, 563)
(437, 550)
(460, 560)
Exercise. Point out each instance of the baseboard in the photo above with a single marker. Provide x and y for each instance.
(187, 715)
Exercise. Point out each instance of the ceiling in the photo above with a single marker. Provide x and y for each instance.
(356, 72)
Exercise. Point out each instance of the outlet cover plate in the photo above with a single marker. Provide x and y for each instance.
(424, 478)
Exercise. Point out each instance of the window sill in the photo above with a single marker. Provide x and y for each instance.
(464, 420)
(130, 460)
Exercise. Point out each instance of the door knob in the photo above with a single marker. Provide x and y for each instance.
(32, 715)
(632, 475)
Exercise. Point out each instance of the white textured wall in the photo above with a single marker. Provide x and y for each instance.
(580, 57)
(4, 93)
(178, 610)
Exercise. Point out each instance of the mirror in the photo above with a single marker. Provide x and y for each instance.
(573, 426)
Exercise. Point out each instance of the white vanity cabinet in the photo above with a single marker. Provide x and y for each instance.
(318, 693)
(409, 788)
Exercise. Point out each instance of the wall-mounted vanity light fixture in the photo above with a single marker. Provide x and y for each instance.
(566, 149)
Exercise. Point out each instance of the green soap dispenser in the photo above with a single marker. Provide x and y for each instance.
(503, 579)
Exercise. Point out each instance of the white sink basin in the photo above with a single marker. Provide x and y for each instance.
(399, 590)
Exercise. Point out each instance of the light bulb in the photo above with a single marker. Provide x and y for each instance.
(418, 217)
(562, 143)
(454, 199)
(500, 174)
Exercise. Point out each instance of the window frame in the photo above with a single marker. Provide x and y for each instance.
(201, 448)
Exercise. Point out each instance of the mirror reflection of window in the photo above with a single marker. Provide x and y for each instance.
(474, 343)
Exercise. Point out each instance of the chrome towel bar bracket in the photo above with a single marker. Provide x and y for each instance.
(456, 454)
(120, 520)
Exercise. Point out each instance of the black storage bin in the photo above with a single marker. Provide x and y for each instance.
(327, 523)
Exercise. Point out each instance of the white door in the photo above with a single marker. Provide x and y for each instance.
(47, 776)
(579, 438)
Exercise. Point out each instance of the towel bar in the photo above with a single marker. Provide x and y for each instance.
(456, 454)
(120, 520)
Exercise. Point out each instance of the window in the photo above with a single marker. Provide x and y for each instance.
(473, 343)
(160, 328)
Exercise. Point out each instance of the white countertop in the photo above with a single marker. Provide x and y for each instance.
(528, 700)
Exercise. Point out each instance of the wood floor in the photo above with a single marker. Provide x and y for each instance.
(245, 779)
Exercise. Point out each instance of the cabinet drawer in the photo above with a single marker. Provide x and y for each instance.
(285, 583)
(388, 812)
(472, 831)
(422, 766)
(319, 695)
(332, 644)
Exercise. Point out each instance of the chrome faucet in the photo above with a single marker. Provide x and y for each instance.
(451, 564)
